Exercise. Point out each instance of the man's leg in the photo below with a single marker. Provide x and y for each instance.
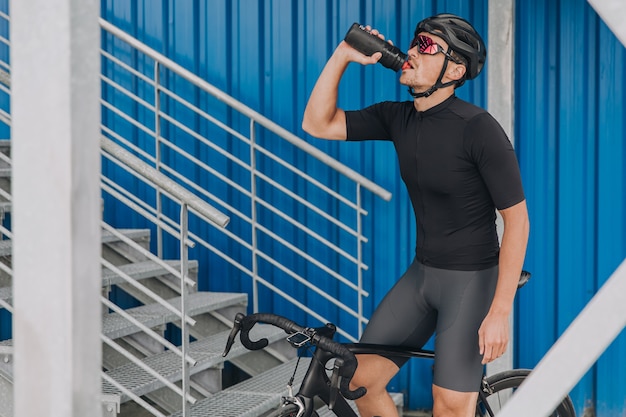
(448, 403)
(374, 373)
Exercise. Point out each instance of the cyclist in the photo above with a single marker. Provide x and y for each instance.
(458, 167)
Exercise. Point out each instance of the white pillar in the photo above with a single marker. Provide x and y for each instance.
(55, 65)
(501, 105)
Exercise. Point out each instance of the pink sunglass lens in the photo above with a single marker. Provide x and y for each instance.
(427, 45)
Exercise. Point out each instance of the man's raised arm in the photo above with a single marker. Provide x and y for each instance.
(322, 118)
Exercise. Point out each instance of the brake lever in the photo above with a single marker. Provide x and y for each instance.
(233, 333)
(334, 383)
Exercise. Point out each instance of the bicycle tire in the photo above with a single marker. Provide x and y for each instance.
(508, 382)
(288, 410)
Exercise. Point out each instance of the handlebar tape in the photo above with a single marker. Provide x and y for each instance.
(346, 371)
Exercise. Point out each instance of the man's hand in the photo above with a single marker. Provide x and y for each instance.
(353, 55)
(493, 336)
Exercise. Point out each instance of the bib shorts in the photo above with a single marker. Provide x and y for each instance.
(448, 303)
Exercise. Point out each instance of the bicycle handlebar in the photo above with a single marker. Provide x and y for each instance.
(245, 323)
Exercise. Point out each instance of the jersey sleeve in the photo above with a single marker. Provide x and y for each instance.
(369, 123)
(495, 159)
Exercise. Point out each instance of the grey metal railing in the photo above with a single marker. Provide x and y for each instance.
(156, 119)
(186, 201)
(176, 227)
(151, 164)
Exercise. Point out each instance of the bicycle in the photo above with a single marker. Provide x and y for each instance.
(318, 384)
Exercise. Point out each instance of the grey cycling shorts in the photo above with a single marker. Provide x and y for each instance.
(450, 304)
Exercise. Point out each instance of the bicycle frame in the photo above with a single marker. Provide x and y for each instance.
(316, 381)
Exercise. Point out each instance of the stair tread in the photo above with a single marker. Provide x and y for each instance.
(137, 271)
(141, 270)
(108, 237)
(6, 246)
(253, 396)
(207, 352)
(115, 326)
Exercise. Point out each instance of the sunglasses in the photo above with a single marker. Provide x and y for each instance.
(427, 46)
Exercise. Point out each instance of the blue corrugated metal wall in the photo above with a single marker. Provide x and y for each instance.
(570, 137)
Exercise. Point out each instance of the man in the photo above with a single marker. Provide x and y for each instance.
(459, 167)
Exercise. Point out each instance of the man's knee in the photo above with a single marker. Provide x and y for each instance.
(373, 372)
(449, 403)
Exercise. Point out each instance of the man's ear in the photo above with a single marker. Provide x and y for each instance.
(456, 71)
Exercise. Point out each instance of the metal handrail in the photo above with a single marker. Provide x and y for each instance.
(247, 111)
(197, 204)
(147, 104)
(187, 199)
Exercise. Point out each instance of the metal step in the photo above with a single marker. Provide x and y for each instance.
(115, 326)
(6, 246)
(208, 353)
(152, 315)
(134, 234)
(141, 270)
(252, 397)
(137, 271)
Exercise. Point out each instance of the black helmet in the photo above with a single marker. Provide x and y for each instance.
(462, 38)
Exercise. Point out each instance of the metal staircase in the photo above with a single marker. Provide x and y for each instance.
(162, 337)
(140, 365)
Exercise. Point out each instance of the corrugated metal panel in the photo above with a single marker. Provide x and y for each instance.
(268, 54)
(571, 139)
(570, 134)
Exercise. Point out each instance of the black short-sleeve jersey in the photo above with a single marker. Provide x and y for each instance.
(458, 166)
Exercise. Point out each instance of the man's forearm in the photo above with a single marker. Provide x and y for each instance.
(512, 253)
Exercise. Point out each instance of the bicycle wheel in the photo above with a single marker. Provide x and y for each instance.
(288, 410)
(501, 386)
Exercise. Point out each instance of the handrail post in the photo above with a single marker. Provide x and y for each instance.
(253, 217)
(184, 270)
(157, 153)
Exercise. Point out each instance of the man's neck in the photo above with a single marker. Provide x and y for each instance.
(438, 97)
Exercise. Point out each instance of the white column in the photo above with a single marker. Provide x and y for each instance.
(501, 104)
(55, 66)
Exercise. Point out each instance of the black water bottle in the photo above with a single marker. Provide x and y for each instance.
(363, 41)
